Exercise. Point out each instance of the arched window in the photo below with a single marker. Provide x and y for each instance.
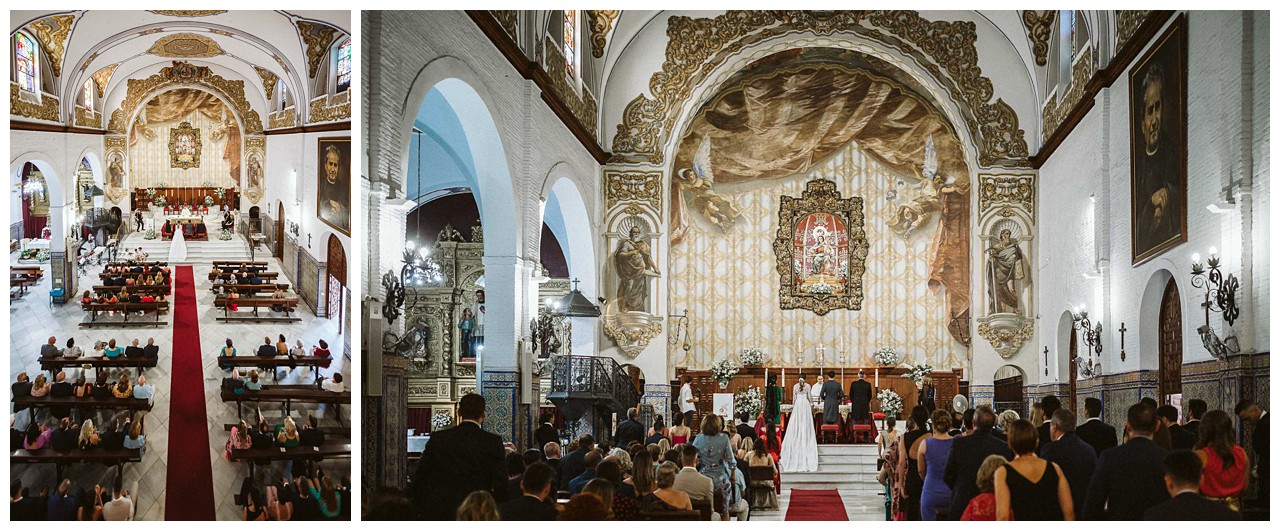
(282, 96)
(26, 62)
(570, 41)
(344, 65)
(88, 94)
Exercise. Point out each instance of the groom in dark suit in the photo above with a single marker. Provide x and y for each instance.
(860, 397)
(457, 462)
(832, 394)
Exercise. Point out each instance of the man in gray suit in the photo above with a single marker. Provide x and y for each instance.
(689, 480)
(50, 349)
(832, 394)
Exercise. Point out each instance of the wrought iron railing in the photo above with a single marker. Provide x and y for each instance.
(582, 382)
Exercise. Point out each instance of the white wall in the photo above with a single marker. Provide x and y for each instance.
(63, 153)
(292, 161)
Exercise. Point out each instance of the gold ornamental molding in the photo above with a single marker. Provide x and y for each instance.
(317, 37)
(1039, 27)
(188, 13)
(282, 119)
(88, 118)
(46, 109)
(579, 101)
(509, 20)
(601, 23)
(269, 80)
(821, 198)
(184, 73)
(329, 108)
(697, 46)
(52, 32)
(1056, 108)
(1006, 332)
(633, 187)
(184, 146)
(101, 77)
(186, 46)
(1007, 190)
(1127, 24)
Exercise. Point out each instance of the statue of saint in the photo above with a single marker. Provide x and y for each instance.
(1007, 274)
(634, 262)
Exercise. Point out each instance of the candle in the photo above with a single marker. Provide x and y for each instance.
(877, 377)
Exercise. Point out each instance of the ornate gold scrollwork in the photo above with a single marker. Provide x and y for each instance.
(88, 118)
(328, 109)
(281, 119)
(52, 32)
(183, 72)
(508, 19)
(820, 197)
(185, 46)
(101, 77)
(269, 80)
(997, 190)
(1006, 332)
(1039, 27)
(582, 105)
(47, 109)
(1127, 24)
(1055, 110)
(317, 37)
(188, 13)
(633, 186)
(601, 23)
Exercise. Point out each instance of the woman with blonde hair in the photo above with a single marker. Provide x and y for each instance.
(982, 508)
(287, 435)
(1036, 416)
(41, 386)
(137, 437)
(663, 446)
(1006, 419)
(666, 497)
(88, 435)
(478, 507)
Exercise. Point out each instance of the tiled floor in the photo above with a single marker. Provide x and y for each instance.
(32, 320)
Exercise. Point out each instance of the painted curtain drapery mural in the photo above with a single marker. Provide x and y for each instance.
(183, 138)
(782, 114)
(1158, 145)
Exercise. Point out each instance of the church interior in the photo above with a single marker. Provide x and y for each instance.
(180, 197)
(574, 214)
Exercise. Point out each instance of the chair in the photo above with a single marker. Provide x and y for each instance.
(671, 516)
(830, 429)
(703, 507)
(862, 433)
(762, 474)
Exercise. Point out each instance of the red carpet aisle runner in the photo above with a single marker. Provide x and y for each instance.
(816, 506)
(189, 486)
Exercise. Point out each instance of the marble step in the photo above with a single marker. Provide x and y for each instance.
(846, 468)
(869, 460)
(846, 449)
(850, 477)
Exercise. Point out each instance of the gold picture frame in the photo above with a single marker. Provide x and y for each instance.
(821, 250)
(184, 146)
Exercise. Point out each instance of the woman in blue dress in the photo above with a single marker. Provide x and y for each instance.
(715, 455)
(933, 456)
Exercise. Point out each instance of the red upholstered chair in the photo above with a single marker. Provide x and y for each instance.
(862, 434)
(830, 429)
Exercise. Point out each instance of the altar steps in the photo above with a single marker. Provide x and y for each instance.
(198, 252)
(849, 469)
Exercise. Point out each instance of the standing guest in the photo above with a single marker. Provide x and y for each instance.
(658, 432)
(531, 506)
(716, 454)
(572, 465)
(133, 350)
(887, 437)
(120, 508)
(1028, 487)
(151, 351)
(745, 430)
(1005, 420)
(1181, 437)
(1253, 415)
(1129, 478)
(478, 506)
(667, 497)
(680, 430)
(1096, 433)
(687, 400)
(546, 432)
(456, 462)
(982, 508)
(72, 351)
(50, 349)
(515, 469)
(1073, 456)
(1225, 473)
(63, 503)
(630, 430)
(1196, 409)
(935, 495)
(910, 460)
(967, 456)
(1182, 479)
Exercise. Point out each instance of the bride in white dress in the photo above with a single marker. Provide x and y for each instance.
(178, 247)
(800, 444)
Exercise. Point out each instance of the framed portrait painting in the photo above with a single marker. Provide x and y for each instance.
(821, 250)
(1158, 145)
(333, 192)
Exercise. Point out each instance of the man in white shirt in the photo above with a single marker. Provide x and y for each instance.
(333, 385)
(120, 508)
(687, 400)
(143, 389)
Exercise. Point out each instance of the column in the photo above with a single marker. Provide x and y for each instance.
(506, 288)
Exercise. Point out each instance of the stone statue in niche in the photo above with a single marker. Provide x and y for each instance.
(115, 172)
(633, 261)
(1008, 274)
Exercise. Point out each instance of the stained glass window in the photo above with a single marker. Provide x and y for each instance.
(26, 61)
(344, 66)
(88, 94)
(571, 42)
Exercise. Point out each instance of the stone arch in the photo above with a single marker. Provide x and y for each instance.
(1010, 389)
(578, 246)
(55, 187)
(1148, 351)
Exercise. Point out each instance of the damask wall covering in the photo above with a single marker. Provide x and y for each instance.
(150, 156)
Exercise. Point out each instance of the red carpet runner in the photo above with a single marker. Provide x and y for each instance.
(816, 506)
(189, 490)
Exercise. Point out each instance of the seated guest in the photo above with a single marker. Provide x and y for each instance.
(531, 506)
(123, 389)
(133, 350)
(624, 503)
(690, 481)
(1225, 474)
(982, 508)
(602, 489)
(282, 347)
(50, 349)
(61, 388)
(267, 350)
(667, 497)
(72, 351)
(311, 434)
(143, 389)
(1182, 479)
(288, 436)
(21, 388)
(551, 452)
(514, 464)
(333, 385)
(589, 463)
(321, 350)
(38, 435)
(585, 507)
(137, 437)
(89, 438)
(63, 503)
(1129, 478)
(151, 351)
(296, 351)
(102, 388)
(120, 508)
(253, 384)
(64, 436)
(1180, 437)
(241, 439)
(41, 387)
(112, 351)
(1031, 488)
(83, 388)
(87, 297)
(113, 439)
(478, 506)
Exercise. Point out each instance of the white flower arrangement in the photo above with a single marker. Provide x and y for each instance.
(208, 200)
(159, 201)
(724, 370)
(890, 403)
(220, 192)
(919, 371)
(752, 356)
(151, 192)
(750, 401)
(821, 288)
(150, 235)
(441, 420)
(887, 356)
(225, 235)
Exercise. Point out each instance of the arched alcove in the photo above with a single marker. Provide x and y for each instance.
(566, 214)
(1148, 351)
(1010, 389)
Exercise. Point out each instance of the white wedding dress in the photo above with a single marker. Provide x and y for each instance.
(178, 247)
(800, 443)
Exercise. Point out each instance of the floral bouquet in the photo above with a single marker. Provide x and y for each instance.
(220, 192)
(151, 193)
(752, 356)
(208, 201)
(225, 235)
(441, 420)
(150, 235)
(890, 402)
(159, 201)
(749, 401)
(724, 371)
(919, 371)
(887, 356)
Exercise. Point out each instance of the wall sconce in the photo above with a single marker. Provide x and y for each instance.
(1092, 338)
(1219, 296)
(681, 324)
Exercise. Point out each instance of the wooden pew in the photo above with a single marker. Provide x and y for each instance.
(336, 448)
(275, 362)
(35, 271)
(236, 263)
(53, 365)
(306, 394)
(163, 288)
(266, 276)
(61, 460)
(129, 404)
(128, 307)
(255, 303)
(254, 288)
(132, 263)
(22, 283)
(134, 276)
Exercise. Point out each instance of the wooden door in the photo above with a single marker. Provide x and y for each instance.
(279, 252)
(337, 270)
(1170, 342)
(1073, 373)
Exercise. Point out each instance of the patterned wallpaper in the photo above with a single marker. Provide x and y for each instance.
(729, 282)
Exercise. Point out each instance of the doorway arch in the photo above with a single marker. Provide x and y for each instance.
(566, 213)
(279, 252)
(336, 269)
(1170, 379)
(1009, 390)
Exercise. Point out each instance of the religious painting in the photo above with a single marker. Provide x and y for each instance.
(334, 183)
(254, 190)
(1158, 145)
(821, 249)
(184, 146)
